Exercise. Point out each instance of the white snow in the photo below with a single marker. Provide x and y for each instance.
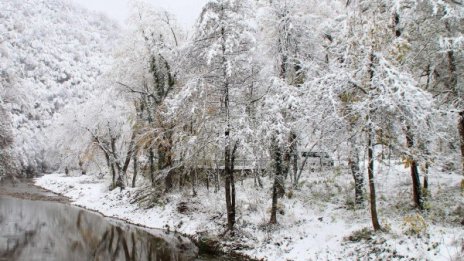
(316, 221)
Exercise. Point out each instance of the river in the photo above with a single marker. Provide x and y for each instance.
(38, 225)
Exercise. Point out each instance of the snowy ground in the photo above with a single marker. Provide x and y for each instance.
(318, 220)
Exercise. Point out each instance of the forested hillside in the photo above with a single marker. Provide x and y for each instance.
(51, 53)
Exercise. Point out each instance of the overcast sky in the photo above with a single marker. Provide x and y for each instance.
(186, 11)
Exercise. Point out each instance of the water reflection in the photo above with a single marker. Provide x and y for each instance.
(36, 230)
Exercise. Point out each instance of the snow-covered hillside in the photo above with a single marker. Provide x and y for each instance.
(51, 52)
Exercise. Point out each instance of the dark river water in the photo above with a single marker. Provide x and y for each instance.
(45, 230)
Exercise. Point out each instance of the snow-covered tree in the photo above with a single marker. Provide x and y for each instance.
(219, 62)
(146, 68)
(292, 54)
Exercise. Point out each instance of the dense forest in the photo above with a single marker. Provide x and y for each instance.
(284, 97)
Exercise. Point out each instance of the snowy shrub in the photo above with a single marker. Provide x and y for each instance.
(337, 171)
(414, 225)
(459, 211)
(360, 235)
(251, 206)
(290, 193)
(280, 209)
(349, 203)
(449, 166)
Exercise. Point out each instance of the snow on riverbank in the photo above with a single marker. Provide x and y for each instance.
(315, 223)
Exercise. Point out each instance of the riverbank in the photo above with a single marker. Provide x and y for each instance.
(23, 191)
(39, 229)
(316, 222)
(26, 189)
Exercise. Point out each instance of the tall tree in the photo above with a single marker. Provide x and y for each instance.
(150, 48)
(291, 37)
(222, 41)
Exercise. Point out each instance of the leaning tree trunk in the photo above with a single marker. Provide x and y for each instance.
(416, 186)
(370, 173)
(112, 160)
(277, 188)
(134, 162)
(151, 158)
(129, 154)
(370, 155)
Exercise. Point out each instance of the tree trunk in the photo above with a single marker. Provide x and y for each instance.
(295, 159)
(370, 172)
(216, 180)
(193, 173)
(461, 136)
(291, 156)
(232, 178)
(134, 177)
(151, 158)
(370, 155)
(110, 168)
(228, 154)
(227, 184)
(230, 186)
(130, 151)
(82, 168)
(181, 179)
(165, 159)
(286, 163)
(287, 157)
(119, 181)
(273, 219)
(113, 173)
(353, 162)
(416, 186)
(277, 188)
